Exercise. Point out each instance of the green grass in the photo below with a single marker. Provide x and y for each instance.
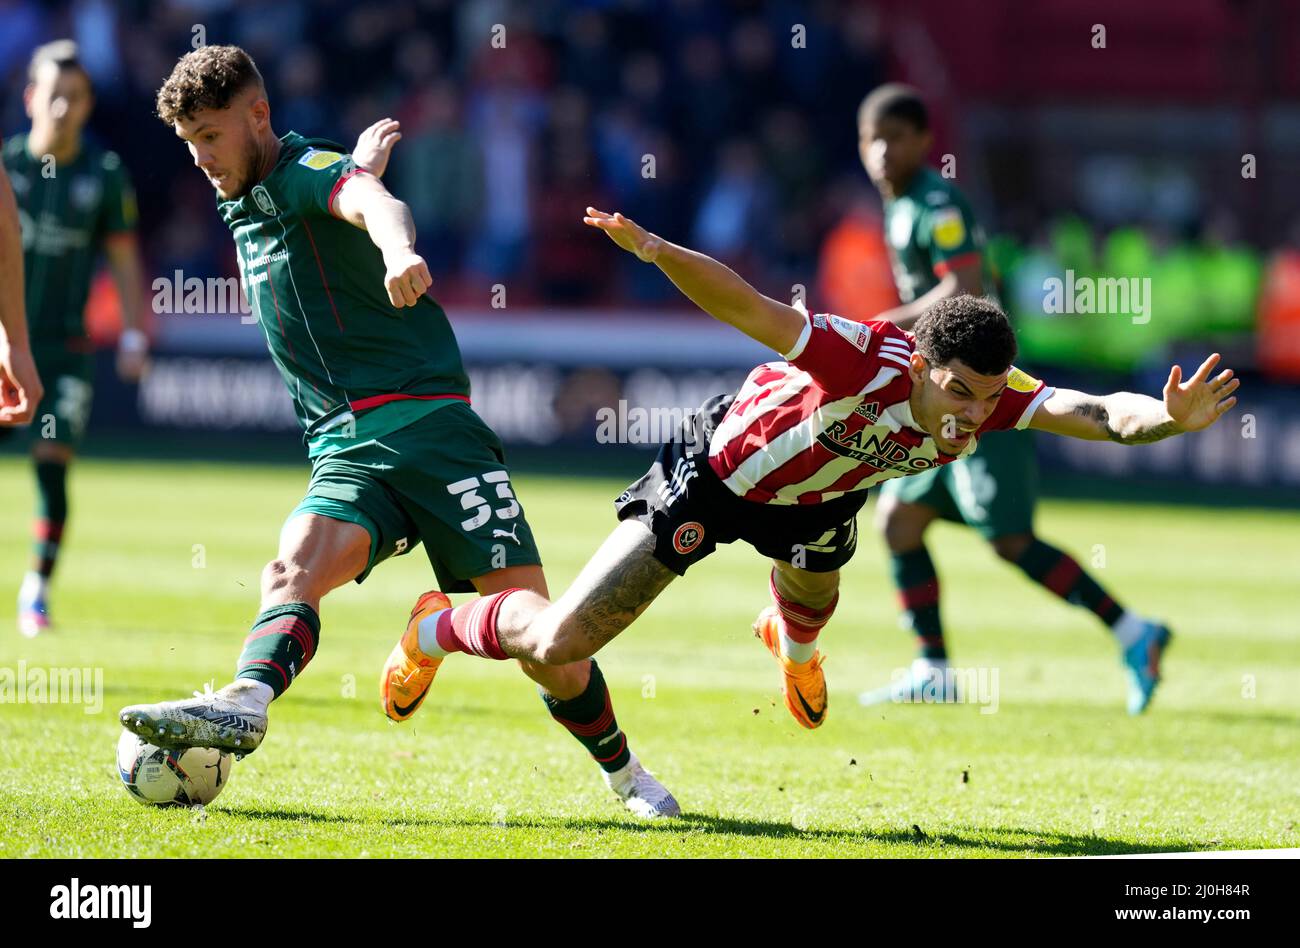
(1059, 769)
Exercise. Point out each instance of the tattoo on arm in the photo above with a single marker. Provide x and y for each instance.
(1095, 411)
(1146, 436)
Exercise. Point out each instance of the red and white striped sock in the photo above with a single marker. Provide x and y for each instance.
(800, 625)
(471, 628)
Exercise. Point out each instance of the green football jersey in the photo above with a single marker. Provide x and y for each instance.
(930, 229)
(66, 211)
(316, 284)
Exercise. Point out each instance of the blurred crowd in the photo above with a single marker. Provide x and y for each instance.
(710, 121)
(706, 120)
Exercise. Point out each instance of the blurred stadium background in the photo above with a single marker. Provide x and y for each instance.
(1132, 160)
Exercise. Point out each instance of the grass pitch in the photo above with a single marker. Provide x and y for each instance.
(159, 582)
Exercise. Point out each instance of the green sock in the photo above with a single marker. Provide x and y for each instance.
(918, 592)
(282, 641)
(590, 718)
(1062, 574)
(51, 514)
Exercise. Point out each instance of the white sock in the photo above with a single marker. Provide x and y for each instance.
(428, 632)
(1129, 628)
(253, 695)
(796, 651)
(34, 587)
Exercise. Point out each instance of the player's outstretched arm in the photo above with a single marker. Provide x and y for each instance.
(364, 202)
(1139, 419)
(710, 285)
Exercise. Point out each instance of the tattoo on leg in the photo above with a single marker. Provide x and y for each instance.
(619, 583)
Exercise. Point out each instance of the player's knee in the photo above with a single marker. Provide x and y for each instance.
(1012, 546)
(902, 525)
(806, 587)
(563, 642)
(279, 576)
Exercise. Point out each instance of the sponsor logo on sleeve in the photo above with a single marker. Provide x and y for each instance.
(949, 228)
(856, 333)
(318, 160)
(1019, 381)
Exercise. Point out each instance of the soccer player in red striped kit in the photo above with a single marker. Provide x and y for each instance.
(785, 463)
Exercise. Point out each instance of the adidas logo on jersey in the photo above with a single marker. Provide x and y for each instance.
(870, 412)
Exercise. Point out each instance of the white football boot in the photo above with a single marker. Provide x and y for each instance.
(641, 792)
(229, 720)
(33, 613)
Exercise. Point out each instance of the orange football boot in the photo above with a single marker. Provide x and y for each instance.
(408, 673)
(803, 683)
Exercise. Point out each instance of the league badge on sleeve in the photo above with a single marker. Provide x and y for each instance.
(855, 333)
(318, 160)
(1019, 381)
(949, 228)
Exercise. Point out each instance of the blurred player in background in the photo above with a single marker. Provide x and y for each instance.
(398, 456)
(75, 201)
(936, 248)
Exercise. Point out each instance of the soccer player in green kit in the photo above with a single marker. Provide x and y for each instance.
(398, 456)
(75, 201)
(936, 249)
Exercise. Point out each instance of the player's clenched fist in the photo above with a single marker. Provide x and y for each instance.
(407, 279)
(20, 385)
(625, 232)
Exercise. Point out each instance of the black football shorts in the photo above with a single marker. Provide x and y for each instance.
(690, 511)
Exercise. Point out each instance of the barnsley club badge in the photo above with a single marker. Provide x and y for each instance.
(264, 202)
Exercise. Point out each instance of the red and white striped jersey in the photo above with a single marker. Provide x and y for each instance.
(834, 416)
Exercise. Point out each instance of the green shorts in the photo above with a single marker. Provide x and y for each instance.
(64, 409)
(994, 490)
(441, 480)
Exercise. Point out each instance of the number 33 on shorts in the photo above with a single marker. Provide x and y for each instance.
(470, 498)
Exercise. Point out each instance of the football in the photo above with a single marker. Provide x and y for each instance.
(184, 776)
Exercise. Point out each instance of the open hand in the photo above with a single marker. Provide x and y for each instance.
(625, 232)
(1198, 402)
(375, 145)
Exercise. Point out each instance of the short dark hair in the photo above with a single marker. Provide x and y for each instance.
(63, 53)
(210, 77)
(970, 328)
(894, 100)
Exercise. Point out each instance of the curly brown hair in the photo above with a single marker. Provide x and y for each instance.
(970, 328)
(210, 77)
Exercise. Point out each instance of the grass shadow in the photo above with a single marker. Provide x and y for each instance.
(1009, 841)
